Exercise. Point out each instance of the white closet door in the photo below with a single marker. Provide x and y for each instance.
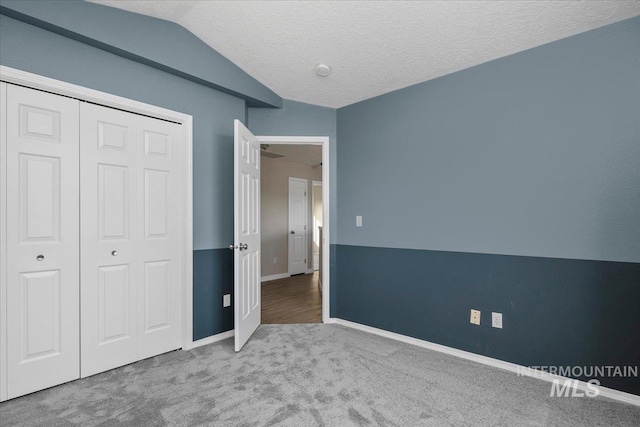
(42, 240)
(131, 240)
(109, 269)
(159, 237)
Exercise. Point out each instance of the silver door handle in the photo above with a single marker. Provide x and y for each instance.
(243, 246)
(114, 253)
(40, 257)
(231, 247)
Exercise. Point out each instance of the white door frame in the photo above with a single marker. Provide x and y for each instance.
(314, 184)
(324, 142)
(34, 81)
(3, 242)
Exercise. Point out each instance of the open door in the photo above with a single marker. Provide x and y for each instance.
(246, 234)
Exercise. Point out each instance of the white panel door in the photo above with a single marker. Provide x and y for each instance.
(159, 236)
(297, 226)
(109, 270)
(246, 231)
(131, 237)
(42, 240)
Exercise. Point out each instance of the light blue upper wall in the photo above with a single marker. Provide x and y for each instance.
(154, 42)
(32, 49)
(300, 119)
(534, 154)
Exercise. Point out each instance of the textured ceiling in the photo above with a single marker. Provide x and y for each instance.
(373, 47)
(310, 155)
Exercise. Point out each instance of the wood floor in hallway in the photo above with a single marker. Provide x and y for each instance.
(295, 299)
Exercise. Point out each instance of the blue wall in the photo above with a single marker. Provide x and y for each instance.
(536, 154)
(32, 49)
(533, 154)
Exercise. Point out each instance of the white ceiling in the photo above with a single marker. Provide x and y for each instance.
(373, 47)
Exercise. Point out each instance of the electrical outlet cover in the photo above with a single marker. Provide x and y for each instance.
(475, 317)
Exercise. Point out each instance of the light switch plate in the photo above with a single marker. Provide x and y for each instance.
(496, 320)
(226, 300)
(358, 220)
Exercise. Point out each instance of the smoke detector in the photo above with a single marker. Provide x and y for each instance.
(323, 70)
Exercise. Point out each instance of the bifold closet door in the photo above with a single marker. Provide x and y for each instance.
(109, 274)
(160, 237)
(130, 237)
(42, 240)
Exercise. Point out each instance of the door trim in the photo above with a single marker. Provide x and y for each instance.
(34, 81)
(326, 203)
(3, 243)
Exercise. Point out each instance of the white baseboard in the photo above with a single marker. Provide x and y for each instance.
(274, 277)
(310, 271)
(496, 363)
(213, 338)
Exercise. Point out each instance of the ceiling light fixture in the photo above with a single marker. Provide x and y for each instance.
(323, 70)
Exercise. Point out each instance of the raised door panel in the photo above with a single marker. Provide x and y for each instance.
(297, 248)
(156, 204)
(158, 225)
(40, 308)
(113, 202)
(157, 304)
(114, 303)
(42, 240)
(109, 271)
(39, 195)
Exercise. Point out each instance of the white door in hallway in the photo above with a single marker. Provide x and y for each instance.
(297, 226)
(246, 234)
(131, 242)
(42, 240)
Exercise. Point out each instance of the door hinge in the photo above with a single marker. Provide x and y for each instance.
(305, 260)
(305, 193)
(305, 227)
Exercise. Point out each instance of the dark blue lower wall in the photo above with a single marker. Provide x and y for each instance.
(556, 312)
(212, 278)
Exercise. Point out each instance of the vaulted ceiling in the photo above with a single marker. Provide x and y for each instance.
(373, 47)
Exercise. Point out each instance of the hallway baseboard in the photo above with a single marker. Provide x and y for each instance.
(274, 277)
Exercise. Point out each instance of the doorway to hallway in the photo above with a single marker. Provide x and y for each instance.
(295, 299)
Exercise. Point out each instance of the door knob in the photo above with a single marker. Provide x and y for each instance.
(243, 246)
(40, 257)
(293, 232)
(231, 247)
(114, 253)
